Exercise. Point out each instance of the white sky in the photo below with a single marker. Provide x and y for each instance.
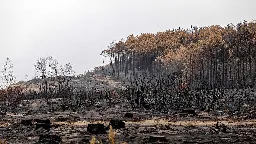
(77, 31)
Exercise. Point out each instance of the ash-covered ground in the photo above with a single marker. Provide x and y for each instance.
(142, 127)
(41, 121)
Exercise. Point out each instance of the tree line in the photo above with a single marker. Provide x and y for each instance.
(204, 58)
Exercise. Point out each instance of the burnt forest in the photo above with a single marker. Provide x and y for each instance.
(195, 85)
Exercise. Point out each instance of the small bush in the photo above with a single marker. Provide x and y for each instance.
(93, 140)
(111, 135)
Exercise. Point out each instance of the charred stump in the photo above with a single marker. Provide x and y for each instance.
(157, 139)
(50, 139)
(44, 121)
(27, 122)
(117, 124)
(44, 124)
(128, 115)
(96, 129)
(189, 111)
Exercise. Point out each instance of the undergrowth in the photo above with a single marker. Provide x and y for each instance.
(111, 138)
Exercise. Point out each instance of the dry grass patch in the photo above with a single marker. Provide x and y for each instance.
(111, 138)
(81, 123)
(4, 124)
(3, 141)
(193, 122)
(166, 122)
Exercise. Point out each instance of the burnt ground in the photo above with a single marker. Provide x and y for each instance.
(29, 123)
(142, 127)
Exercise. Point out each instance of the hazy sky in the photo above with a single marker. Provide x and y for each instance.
(77, 31)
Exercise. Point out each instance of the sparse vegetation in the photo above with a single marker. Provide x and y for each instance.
(93, 140)
(111, 135)
(3, 142)
(111, 138)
